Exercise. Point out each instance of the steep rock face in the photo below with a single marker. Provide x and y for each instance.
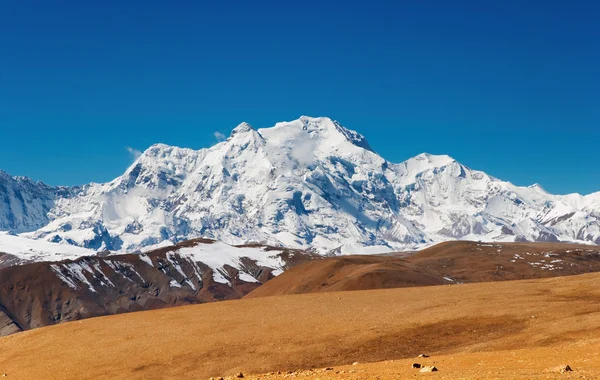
(44, 293)
(308, 183)
(25, 204)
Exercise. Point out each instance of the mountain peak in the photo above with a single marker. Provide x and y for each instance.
(160, 151)
(310, 120)
(432, 159)
(158, 146)
(327, 126)
(538, 187)
(242, 128)
(423, 162)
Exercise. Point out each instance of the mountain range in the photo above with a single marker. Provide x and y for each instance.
(307, 184)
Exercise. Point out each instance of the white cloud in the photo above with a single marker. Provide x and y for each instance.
(135, 154)
(219, 136)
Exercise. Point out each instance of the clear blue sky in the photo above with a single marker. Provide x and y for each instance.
(508, 87)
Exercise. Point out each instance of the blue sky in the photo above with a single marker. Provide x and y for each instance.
(511, 87)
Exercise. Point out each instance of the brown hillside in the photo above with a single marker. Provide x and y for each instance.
(37, 294)
(510, 329)
(446, 263)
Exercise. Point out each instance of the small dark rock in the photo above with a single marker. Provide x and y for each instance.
(561, 368)
(416, 365)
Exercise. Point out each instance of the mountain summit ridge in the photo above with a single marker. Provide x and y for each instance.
(306, 183)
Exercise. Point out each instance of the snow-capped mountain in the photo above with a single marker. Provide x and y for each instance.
(308, 183)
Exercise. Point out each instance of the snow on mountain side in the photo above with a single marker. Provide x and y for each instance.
(190, 264)
(21, 250)
(308, 183)
(24, 204)
(589, 203)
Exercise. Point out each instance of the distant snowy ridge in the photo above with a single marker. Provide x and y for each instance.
(21, 250)
(308, 183)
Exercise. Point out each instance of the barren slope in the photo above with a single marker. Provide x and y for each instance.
(557, 320)
(445, 263)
